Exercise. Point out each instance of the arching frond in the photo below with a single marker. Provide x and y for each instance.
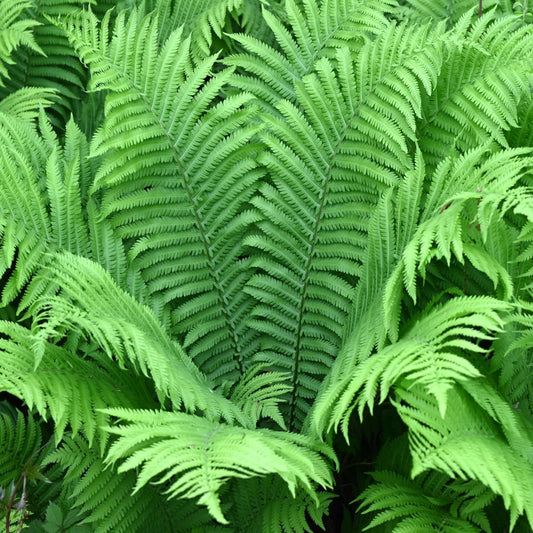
(483, 189)
(259, 393)
(314, 30)
(21, 441)
(202, 20)
(437, 10)
(328, 161)
(210, 453)
(467, 444)
(91, 303)
(402, 505)
(52, 63)
(479, 88)
(25, 103)
(61, 386)
(432, 354)
(512, 358)
(15, 31)
(266, 504)
(107, 500)
(178, 182)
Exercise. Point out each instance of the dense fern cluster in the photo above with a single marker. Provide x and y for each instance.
(265, 266)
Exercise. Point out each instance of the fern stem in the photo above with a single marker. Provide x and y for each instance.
(480, 12)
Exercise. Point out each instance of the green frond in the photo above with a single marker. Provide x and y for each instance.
(431, 354)
(482, 189)
(24, 222)
(52, 64)
(210, 453)
(478, 90)
(90, 302)
(512, 358)
(259, 392)
(107, 499)
(60, 385)
(437, 10)
(178, 171)
(265, 504)
(14, 32)
(21, 441)
(521, 135)
(467, 444)
(328, 161)
(415, 505)
(41, 206)
(314, 30)
(203, 20)
(25, 103)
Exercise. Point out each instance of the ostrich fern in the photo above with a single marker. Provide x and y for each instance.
(237, 237)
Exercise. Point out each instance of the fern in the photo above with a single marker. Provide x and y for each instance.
(104, 499)
(312, 238)
(315, 31)
(51, 62)
(207, 175)
(227, 227)
(264, 504)
(212, 453)
(479, 87)
(14, 33)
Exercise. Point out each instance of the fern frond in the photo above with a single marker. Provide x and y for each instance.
(259, 392)
(107, 499)
(20, 440)
(53, 64)
(63, 387)
(314, 30)
(265, 504)
(512, 358)
(91, 303)
(196, 456)
(178, 171)
(24, 223)
(328, 161)
(437, 10)
(467, 444)
(25, 103)
(41, 206)
(430, 354)
(450, 224)
(479, 89)
(415, 505)
(521, 134)
(202, 20)
(14, 32)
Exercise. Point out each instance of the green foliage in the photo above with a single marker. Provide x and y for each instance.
(251, 250)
